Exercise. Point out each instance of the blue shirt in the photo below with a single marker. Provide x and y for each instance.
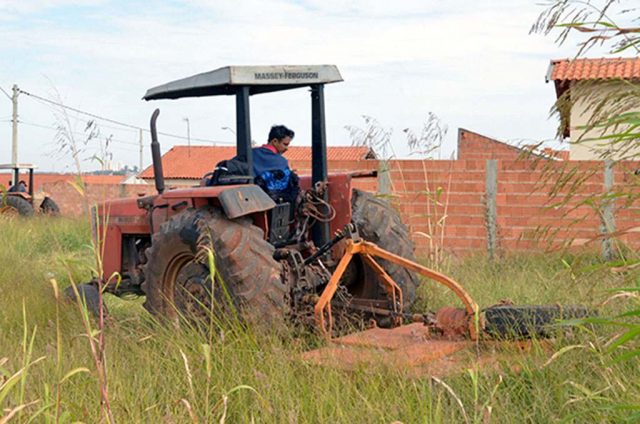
(266, 160)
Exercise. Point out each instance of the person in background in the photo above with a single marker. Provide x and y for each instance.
(20, 188)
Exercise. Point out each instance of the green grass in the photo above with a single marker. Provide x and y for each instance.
(160, 374)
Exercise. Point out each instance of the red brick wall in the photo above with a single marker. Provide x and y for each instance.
(530, 216)
(444, 204)
(475, 146)
(445, 200)
(72, 203)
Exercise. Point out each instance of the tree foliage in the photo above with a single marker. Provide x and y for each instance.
(614, 119)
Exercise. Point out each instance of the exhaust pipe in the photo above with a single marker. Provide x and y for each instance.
(155, 154)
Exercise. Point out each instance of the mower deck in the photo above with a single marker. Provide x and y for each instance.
(411, 347)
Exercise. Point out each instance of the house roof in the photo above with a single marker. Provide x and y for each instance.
(564, 72)
(184, 162)
(593, 69)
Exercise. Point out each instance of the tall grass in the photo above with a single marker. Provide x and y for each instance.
(426, 145)
(160, 374)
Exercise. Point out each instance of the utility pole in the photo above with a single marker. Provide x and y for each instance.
(188, 136)
(228, 129)
(141, 150)
(14, 133)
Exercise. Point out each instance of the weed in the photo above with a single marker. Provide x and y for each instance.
(148, 378)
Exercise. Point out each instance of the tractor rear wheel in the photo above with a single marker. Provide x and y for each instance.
(178, 278)
(16, 205)
(378, 222)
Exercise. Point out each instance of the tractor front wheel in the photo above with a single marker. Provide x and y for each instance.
(178, 275)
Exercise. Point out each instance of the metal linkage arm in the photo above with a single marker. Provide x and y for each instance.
(469, 304)
(323, 306)
(369, 250)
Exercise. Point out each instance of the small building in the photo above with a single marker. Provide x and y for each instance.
(582, 83)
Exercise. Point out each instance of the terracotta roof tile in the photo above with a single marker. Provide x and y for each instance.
(588, 69)
(195, 161)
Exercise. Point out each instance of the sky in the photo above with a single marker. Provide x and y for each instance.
(471, 63)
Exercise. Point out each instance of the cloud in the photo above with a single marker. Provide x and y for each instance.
(14, 8)
(473, 64)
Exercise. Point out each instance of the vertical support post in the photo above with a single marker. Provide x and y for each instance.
(319, 155)
(15, 177)
(31, 182)
(607, 218)
(491, 191)
(384, 177)
(14, 127)
(141, 150)
(243, 127)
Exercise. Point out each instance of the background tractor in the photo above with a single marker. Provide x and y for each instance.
(21, 201)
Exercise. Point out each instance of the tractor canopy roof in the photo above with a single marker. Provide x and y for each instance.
(259, 79)
(14, 166)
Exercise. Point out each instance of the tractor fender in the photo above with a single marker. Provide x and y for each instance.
(245, 200)
(24, 195)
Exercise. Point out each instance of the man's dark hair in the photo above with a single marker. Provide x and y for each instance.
(279, 132)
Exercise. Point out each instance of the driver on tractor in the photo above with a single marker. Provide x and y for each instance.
(21, 187)
(270, 167)
(268, 157)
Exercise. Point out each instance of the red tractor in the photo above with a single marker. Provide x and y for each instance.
(333, 252)
(18, 198)
(274, 257)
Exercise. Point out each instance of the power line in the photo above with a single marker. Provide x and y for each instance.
(78, 133)
(123, 124)
(130, 130)
(78, 110)
(115, 140)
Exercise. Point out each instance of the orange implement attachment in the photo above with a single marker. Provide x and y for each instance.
(368, 251)
(413, 349)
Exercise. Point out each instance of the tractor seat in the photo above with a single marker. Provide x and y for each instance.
(228, 172)
(208, 181)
